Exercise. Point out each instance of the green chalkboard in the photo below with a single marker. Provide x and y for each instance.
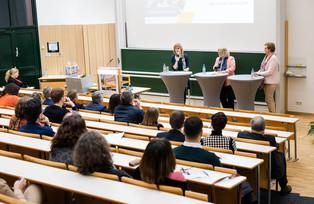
(153, 60)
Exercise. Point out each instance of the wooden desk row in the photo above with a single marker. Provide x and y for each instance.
(278, 120)
(104, 189)
(251, 165)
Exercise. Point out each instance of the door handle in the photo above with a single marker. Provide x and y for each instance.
(16, 52)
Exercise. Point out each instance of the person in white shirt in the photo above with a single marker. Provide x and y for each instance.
(270, 70)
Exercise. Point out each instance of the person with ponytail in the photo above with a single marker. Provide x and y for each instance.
(12, 76)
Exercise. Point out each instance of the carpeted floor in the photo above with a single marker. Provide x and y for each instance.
(292, 198)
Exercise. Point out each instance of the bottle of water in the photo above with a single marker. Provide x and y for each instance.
(167, 68)
(252, 72)
(164, 68)
(204, 68)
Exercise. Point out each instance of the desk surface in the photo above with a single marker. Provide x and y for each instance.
(123, 160)
(197, 110)
(165, 122)
(208, 111)
(88, 185)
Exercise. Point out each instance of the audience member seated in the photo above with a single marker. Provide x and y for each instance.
(114, 101)
(129, 110)
(36, 96)
(176, 121)
(62, 144)
(12, 76)
(47, 99)
(17, 120)
(9, 96)
(278, 163)
(191, 149)
(31, 112)
(96, 104)
(21, 190)
(158, 164)
(57, 111)
(151, 118)
(72, 95)
(92, 154)
(216, 139)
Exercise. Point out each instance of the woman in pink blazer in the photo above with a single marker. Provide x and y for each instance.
(226, 63)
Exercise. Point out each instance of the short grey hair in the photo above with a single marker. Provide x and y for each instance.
(47, 92)
(258, 123)
(126, 98)
(97, 97)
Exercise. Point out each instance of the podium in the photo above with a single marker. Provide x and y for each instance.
(211, 84)
(245, 87)
(176, 82)
(80, 84)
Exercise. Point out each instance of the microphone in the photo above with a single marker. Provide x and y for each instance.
(109, 62)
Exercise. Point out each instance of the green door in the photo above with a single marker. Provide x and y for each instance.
(6, 53)
(25, 45)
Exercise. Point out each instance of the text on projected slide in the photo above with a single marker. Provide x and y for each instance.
(198, 11)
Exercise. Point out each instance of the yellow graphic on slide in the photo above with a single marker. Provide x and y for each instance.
(185, 17)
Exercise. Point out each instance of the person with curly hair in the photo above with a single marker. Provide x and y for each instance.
(62, 145)
(92, 154)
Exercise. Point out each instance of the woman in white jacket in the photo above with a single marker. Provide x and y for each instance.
(270, 70)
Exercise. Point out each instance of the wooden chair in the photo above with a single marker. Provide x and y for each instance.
(139, 183)
(3, 129)
(137, 137)
(59, 165)
(214, 149)
(113, 122)
(10, 200)
(259, 142)
(143, 126)
(24, 134)
(225, 170)
(245, 154)
(91, 119)
(170, 189)
(6, 116)
(72, 168)
(196, 195)
(195, 164)
(130, 152)
(11, 154)
(44, 137)
(90, 111)
(176, 143)
(106, 176)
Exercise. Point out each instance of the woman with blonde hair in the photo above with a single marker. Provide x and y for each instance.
(12, 76)
(179, 61)
(226, 63)
(151, 118)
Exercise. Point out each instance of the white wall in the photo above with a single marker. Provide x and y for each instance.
(301, 50)
(244, 37)
(71, 12)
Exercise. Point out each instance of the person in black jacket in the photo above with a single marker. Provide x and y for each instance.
(180, 62)
(12, 76)
(57, 111)
(129, 110)
(176, 121)
(192, 150)
(279, 167)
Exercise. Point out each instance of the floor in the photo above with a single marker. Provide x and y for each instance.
(301, 172)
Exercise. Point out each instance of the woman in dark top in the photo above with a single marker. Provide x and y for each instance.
(151, 118)
(92, 154)
(158, 164)
(12, 76)
(114, 101)
(179, 61)
(62, 144)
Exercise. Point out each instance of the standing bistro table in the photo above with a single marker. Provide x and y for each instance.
(211, 84)
(245, 87)
(176, 82)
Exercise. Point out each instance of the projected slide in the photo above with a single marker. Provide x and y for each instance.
(198, 11)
